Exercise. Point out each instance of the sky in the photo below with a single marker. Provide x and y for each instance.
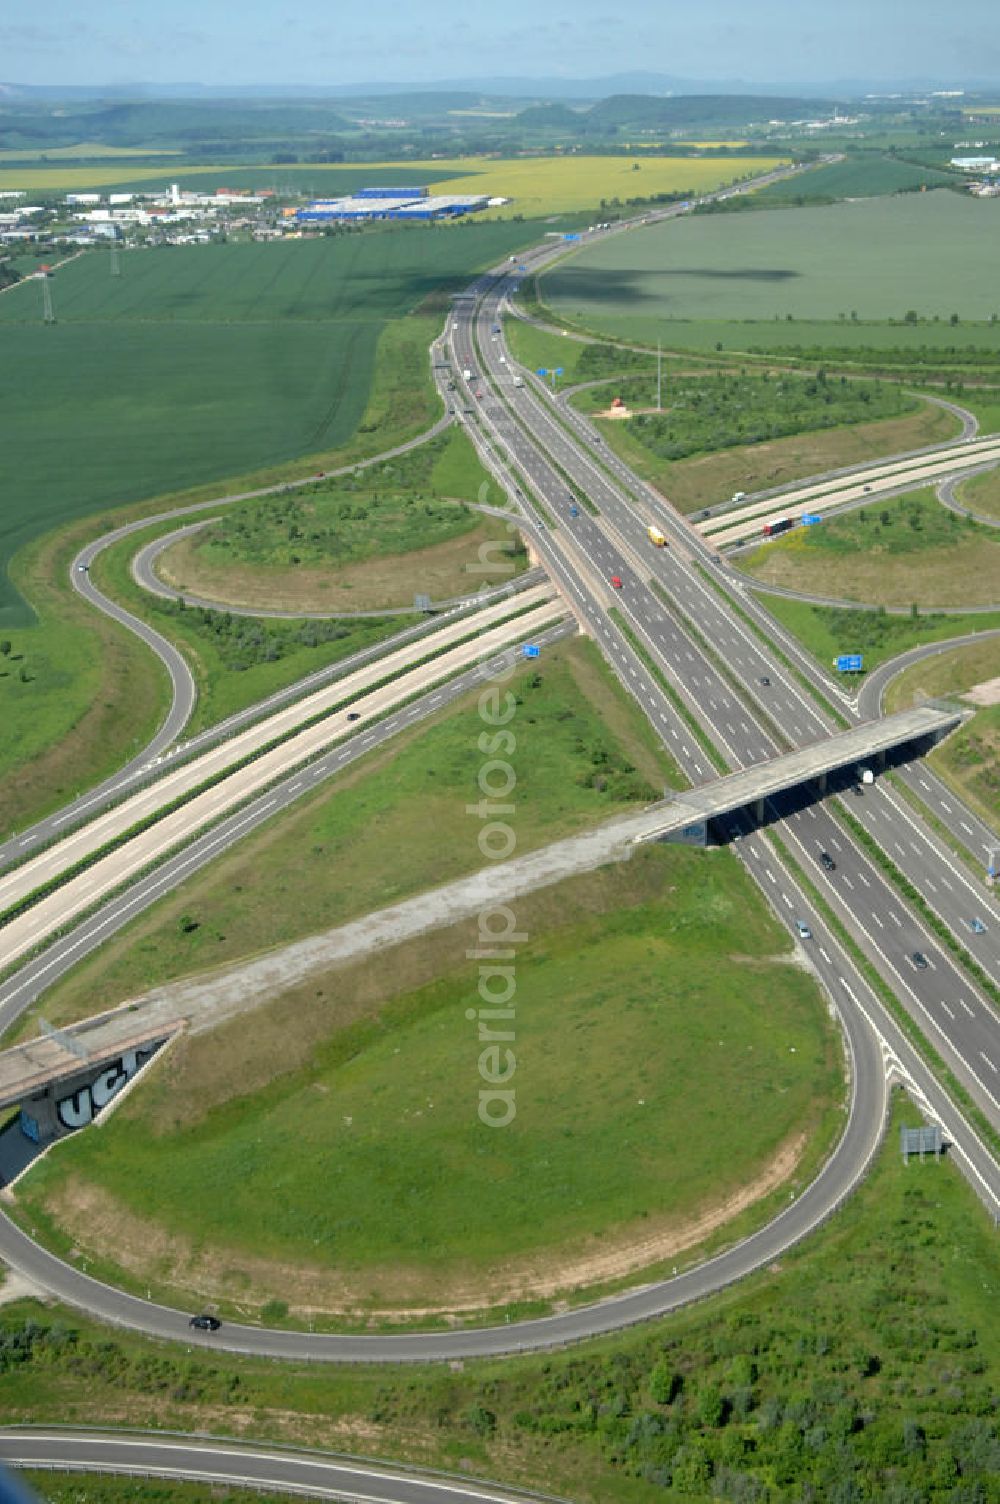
(335, 42)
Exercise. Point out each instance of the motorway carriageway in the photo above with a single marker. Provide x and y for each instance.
(181, 782)
(873, 483)
(965, 1025)
(944, 884)
(132, 856)
(876, 1046)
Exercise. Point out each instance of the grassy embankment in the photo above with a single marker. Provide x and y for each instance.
(868, 1356)
(828, 630)
(970, 759)
(904, 550)
(981, 494)
(360, 542)
(237, 660)
(348, 1104)
(393, 825)
(713, 476)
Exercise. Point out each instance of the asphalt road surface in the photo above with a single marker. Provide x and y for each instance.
(581, 556)
(231, 1464)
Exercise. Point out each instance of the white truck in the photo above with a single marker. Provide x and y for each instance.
(518, 380)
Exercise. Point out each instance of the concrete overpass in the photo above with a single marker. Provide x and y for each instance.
(688, 814)
(64, 1077)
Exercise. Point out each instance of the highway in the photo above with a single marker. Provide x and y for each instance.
(42, 912)
(182, 687)
(224, 1463)
(742, 725)
(581, 553)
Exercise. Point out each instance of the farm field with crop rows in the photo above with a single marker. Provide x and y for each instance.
(205, 361)
(751, 280)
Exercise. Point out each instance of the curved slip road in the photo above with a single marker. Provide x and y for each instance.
(232, 1464)
(43, 913)
(145, 575)
(182, 685)
(877, 1048)
(946, 496)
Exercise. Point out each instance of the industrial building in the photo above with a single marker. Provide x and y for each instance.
(390, 203)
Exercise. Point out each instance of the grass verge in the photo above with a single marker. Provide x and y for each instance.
(869, 1353)
(905, 549)
(392, 826)
(363, 1081)
(827, 631)
(708, 479)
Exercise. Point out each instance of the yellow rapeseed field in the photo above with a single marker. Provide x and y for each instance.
(560, 185)
(537, 185)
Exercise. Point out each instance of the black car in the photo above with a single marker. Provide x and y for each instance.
(764, 680)
(826, 860)
(919, 960)
(205, 1323)
(354, 715)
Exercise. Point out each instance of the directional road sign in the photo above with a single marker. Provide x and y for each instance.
(530, 650)
(849, 663)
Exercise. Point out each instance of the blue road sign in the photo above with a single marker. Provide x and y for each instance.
(542, 371)
(530, 650)
(558, 371)
(809, 519)
(848, 663)
(571, 237)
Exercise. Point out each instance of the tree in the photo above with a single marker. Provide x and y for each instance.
(910, 316)
(5, 647)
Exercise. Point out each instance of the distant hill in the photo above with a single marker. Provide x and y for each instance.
(550, 116)
(691, 111)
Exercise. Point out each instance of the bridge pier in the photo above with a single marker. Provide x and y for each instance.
(72, 1102)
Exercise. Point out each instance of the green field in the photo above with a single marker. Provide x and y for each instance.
(203, 362)
(863, 1365)
(384, 512)
(394, 826)
(363, 1133)
(706, 479)
(970, 759)
(829, 630)
(875, 259)
(893, 553)
(704, 413)
(981, 494)
(857, 176)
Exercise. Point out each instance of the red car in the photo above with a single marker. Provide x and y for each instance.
(616, 580)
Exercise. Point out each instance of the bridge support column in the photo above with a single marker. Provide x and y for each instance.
(880, 758)
(821, 783)
(759, 811)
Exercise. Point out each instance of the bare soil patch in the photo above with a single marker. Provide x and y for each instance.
(98, 1222)
(442, 571)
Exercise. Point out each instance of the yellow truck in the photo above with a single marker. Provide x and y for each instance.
(655, 536)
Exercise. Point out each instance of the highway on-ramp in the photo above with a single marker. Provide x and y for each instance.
(225, 1463)
(878, 1049)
